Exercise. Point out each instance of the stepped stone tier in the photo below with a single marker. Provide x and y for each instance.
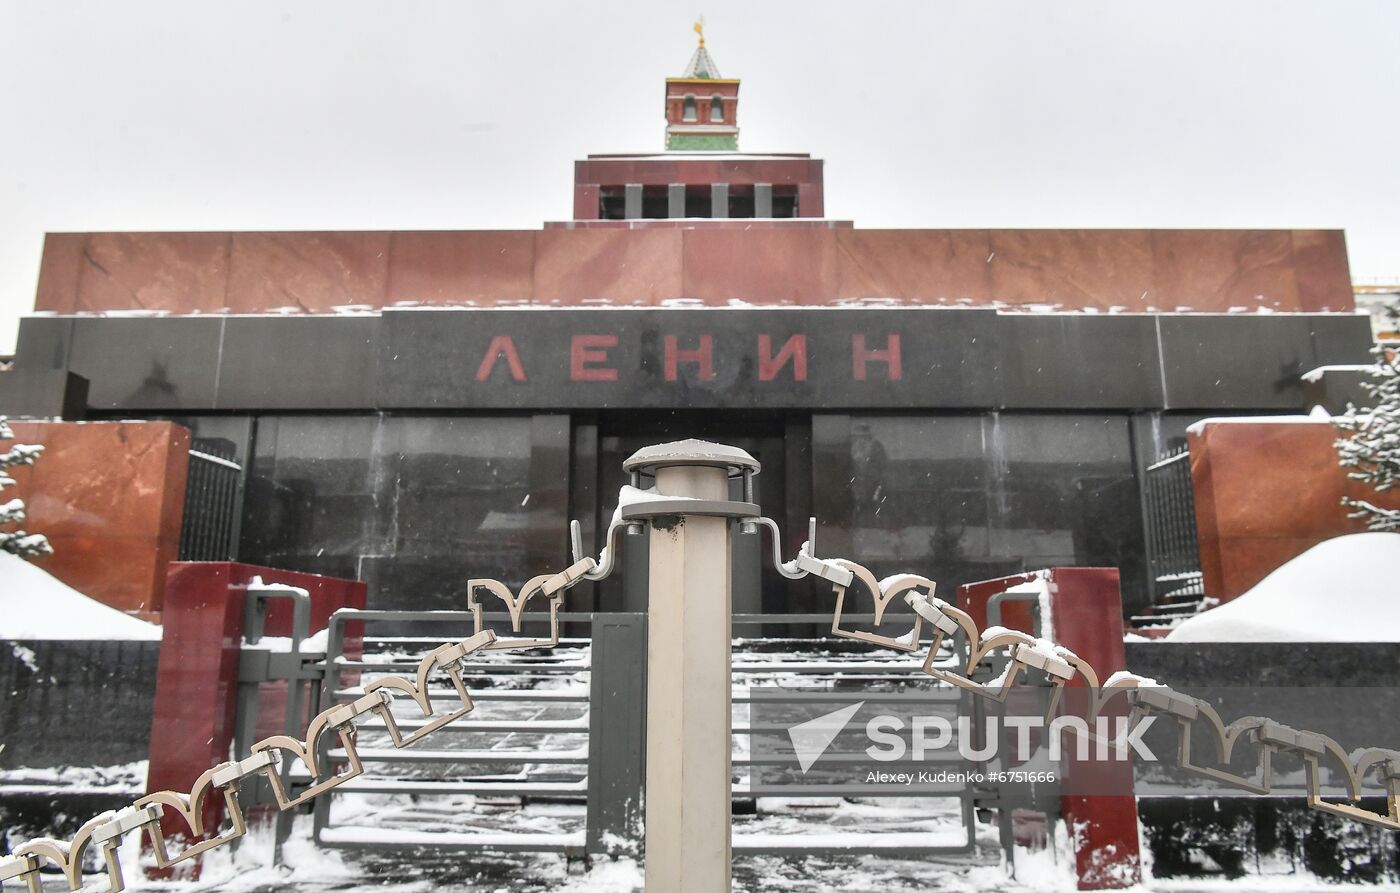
(713, 263)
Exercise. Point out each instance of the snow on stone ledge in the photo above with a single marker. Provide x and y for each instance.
(1343, 590)
(35, 605)
(1315, 375)
(1316, 418)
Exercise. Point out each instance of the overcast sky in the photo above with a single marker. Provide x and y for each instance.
(454, 115)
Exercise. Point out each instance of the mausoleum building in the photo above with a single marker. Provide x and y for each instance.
(414, 408)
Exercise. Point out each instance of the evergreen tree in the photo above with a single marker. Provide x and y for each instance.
(1372, 451)
(17, 542)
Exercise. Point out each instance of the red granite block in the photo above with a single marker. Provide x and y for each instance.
(105, 477)
(761, 266)
(461, 267)
(311, 272)
(1245, 560)
(580, 266)
(1205, 270)
(197, 681)
(1071, 268)
(175, 272)
(1215, 270)
(1086, 614)
(123, 572)
(1244, 529)
(811, 199)
(1253, 463)
(58, 272)
(586, 201)
(110, 498)
(652, 171)
(1322, 271)
(923, 266)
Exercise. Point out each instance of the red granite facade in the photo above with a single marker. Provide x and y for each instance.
(1266, 492)
(644, 263)
(110, 497)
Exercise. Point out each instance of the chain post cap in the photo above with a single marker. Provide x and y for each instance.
(692, 452)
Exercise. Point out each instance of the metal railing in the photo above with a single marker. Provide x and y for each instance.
(1173, 551)
(212, 496)
(567, 726)
(578, 737)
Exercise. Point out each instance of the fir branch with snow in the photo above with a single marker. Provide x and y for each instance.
(1371, 452)
(18, 542)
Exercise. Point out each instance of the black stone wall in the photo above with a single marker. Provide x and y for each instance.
(1349, 690)
(950, 359)
(75, 703)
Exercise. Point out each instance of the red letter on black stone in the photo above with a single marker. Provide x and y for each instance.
(795, 350)
(700, 355)
(591, 349)
(889, 356)
(501, 346)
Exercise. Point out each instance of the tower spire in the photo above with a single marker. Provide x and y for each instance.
(702, 106)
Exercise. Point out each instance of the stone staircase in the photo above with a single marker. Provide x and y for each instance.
(1184, 600)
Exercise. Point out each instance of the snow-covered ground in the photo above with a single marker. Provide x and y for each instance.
(327, 871)
(312, 870)
(124, 780)
(1343, 590)
(36, 605)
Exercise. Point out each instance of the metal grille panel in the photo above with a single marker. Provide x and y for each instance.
(211, 501)
(1173, 550)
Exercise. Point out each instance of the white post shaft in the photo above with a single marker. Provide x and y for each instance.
(688, 692)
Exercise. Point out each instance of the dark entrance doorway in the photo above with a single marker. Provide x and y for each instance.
(757, 589)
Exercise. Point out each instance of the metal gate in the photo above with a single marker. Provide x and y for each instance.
(213, 496)
(564, 728)
(1173, 552)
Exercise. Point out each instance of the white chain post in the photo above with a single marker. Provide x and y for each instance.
(688, 662)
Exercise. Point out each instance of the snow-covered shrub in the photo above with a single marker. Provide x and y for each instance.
(1372, 451)
(18, 542)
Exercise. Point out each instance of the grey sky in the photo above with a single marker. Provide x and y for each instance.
(365, 115)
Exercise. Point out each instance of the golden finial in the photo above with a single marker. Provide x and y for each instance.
(700, 29)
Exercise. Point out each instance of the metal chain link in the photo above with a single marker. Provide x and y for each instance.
(1144, 696)
(108, 830)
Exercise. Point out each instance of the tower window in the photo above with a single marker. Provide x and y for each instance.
(612, 203)
(655, 204)
(688, 109)
(784, 201)
(716, 109)
(697, 201)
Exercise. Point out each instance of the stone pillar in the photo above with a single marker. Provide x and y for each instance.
(763, 200)
(688, 661)
(1086, 616)
(675, 200)
(195, 711)
(719, 200)
(632, 201)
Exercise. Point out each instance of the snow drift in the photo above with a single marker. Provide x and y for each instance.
(1343, 590)
(35, 605)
